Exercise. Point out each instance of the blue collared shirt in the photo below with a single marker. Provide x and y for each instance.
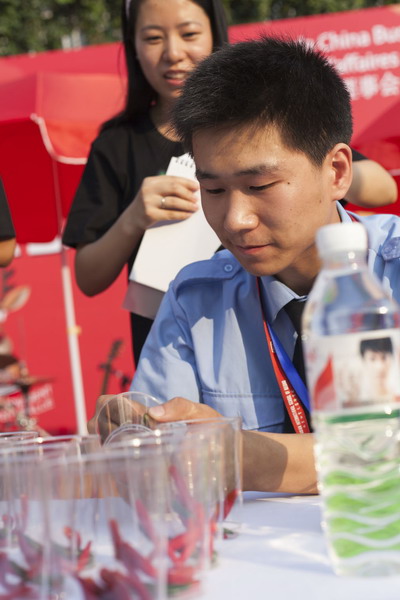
(208, 344)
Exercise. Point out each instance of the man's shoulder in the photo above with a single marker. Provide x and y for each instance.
(383, 234)
(223, 266)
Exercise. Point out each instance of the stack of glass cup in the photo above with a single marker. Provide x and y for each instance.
(24, 520)
(138, 516)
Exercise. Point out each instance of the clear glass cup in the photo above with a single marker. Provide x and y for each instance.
(225, 434)
(51, 439)
(89, 443)
(194, 476)
(24, 516)
(86, 443)
(12, 437)
(109, 538)
(23, 530)
(124, 414)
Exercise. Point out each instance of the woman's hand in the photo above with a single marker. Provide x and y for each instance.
(160, 198)
(163, 198)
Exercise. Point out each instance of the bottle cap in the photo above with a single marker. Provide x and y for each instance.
(341, 237)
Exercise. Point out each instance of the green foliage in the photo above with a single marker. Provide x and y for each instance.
(248, 11)
(37, 25)
(242, 11)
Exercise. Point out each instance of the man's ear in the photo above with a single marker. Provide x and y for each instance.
(339, 162)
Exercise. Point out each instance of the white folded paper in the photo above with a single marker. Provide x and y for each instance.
(166, 248)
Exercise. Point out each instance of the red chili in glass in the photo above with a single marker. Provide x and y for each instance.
(129, 556)
(182, 575)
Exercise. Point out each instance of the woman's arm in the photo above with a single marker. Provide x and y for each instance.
(7, 231)
(372, 185)
(7, 248)
(99, 263)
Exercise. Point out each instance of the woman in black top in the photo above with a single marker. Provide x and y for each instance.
(123, 190)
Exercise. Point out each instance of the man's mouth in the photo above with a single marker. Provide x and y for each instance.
(249, 249)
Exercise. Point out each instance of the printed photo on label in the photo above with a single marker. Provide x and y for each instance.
(354, 371)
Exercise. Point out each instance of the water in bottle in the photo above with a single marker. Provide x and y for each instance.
(351, 338)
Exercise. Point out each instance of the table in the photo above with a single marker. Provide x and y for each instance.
(280, 554)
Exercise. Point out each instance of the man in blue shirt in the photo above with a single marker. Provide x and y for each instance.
(270, 141)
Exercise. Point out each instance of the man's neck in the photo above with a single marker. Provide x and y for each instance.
(301, 275)
(300, 286)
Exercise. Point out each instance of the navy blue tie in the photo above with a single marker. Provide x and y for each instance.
(294, 309)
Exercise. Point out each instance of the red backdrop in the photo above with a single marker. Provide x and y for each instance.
(38, 332)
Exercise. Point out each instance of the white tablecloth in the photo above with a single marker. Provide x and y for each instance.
(280, 554)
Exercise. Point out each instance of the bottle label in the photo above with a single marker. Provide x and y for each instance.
(353, 371)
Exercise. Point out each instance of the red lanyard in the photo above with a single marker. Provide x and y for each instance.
(290, 398)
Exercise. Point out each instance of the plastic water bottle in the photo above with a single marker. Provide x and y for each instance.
(351, 339)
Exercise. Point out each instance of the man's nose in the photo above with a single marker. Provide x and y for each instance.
(239, 215)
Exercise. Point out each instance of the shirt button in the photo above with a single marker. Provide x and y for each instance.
(228, 268)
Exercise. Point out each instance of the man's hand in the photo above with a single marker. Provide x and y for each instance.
(109, 415)
(181, 409)
(113, 411)
(100, 402)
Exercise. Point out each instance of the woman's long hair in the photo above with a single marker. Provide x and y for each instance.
(140, 95)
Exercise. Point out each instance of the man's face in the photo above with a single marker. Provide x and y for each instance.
(264, 200)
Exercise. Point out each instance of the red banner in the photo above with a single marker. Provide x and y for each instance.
(35, 332)
(16, 407)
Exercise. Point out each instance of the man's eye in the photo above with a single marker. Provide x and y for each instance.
(259, 188)
(214, 191)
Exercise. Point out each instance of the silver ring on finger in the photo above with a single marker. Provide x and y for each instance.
(162, 203)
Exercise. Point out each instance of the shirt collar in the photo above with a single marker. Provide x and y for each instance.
(343, 214)
(275, 296)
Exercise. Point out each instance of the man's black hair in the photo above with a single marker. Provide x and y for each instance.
(270, 81)
(383, 345)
